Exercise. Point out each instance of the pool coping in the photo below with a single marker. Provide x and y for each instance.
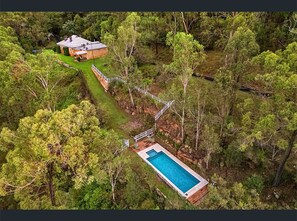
(157, 147)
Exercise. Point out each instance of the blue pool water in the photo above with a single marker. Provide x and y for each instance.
(173, 171)
(152, 153)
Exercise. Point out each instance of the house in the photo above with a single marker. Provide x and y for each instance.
(82, 48)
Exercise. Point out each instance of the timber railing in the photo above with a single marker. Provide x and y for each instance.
(108, 80)
(147, 133)
(150, 95)
(97, 71)
(159, 114)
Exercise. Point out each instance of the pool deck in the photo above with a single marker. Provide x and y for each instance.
(143, 144)
(194, 194)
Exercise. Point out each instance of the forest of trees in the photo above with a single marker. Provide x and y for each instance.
(57, 152)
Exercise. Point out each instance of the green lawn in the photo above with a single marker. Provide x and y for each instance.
(116, 116)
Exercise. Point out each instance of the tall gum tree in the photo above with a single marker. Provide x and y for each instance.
(278, 75)
(122, 45)
(241, 47)
(188, 53)
(51, 152)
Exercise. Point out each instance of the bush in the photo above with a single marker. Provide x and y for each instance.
(93, 196)
(149, 70)
(66, 51)
(255, 182)
(233, 156)
(58, 49)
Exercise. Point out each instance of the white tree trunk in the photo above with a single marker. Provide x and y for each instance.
(197, 134)
(185, 84)
(182, 125)
(113, 192)
(207, 158)
(131, 97)
(184, 22)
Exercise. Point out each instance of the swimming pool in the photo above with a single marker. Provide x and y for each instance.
(173, 171)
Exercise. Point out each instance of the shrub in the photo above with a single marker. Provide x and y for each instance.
(66, 51)
(93, 196)
(58, 49)
(233, 157)
(149, 70)
(255, 182)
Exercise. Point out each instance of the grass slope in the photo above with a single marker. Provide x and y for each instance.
(116, 116)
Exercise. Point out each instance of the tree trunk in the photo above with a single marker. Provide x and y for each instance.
(113, 192)
(129, 89)
(156, 47)
(175, 24)
(222, 126)
(199, 119)
(197, 135)
(274, 153)
(182, 125)
(232, 101)
(284, 160)
(50, 168)
(131, 97)
(183, 111)
(184, 23)
(198, 124)
(207, 160)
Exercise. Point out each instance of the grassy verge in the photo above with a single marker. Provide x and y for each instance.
(116, 117)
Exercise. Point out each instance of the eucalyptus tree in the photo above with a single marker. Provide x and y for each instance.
(153, 29)
(51, 152)
(197, 109)
(217, 28)
(33, 82)
(241, 47)
(277, 73)
(188, 53)
(210, 143)
(122, 46)
(189, 20)
(43, 80)
(222, 97)
(113, 160)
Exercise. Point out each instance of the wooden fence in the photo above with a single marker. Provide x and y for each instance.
(105, 81)
(159, 114)
(100, 73)
(147, 133)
